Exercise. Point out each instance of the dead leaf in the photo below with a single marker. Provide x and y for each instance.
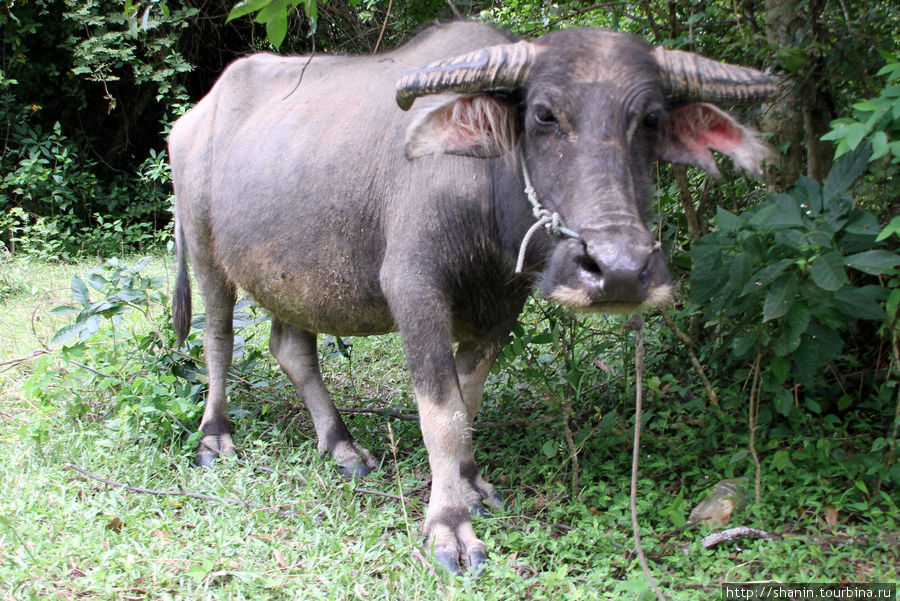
(115, 524)
(831, 515)
(279, 558)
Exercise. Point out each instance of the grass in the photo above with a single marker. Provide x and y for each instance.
(298, 531)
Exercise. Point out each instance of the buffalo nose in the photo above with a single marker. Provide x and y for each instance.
(616, 272)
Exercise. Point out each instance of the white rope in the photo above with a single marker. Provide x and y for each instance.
(550, 221)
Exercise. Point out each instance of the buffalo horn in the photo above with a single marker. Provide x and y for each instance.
(690, 76)
(503, 66)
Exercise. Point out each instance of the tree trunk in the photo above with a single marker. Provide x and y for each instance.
(783, 118)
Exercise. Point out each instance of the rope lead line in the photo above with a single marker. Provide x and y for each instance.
(550, 221)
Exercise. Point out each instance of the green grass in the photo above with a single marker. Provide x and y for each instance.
(301, 532)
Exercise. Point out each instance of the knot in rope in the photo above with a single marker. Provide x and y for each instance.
(549, 220)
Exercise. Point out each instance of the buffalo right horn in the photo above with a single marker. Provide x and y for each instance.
(690, 76)
(503, 66)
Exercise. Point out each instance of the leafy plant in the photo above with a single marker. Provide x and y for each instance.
(876, 120)
(782, 283)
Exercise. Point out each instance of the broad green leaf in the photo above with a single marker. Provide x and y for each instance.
(66, 334)
(782, 461)
(780, 297)
(246, 7)
(762, 277)
(781, 368)
(861, 222)
(891, 228)
(827, 271)
(809, 192)
(788, 213)
(874, 262)
(80, 291)
(728, 221)
(791, 329)
(846, 171)
(65, 311)
(96, 281)
(827, 342)
(880, 146)
(857, 304)
(742, 345)
(276, 27)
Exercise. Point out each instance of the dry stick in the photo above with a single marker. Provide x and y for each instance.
(150, 491)
(387, 16)
(636, 323)
(689, 347)
(570, 442)
(28, 357)
(753, 421)
(393, 444)
(889, 458)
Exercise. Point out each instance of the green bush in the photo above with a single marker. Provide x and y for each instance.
(793, 282)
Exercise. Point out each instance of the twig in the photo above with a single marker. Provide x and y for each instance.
(570, 443)
(455, 10)
(150, 491)
(387, 17)
(753, 420)
(303, 70)
(402, 500)
(636, 323)
(32, 355)
(387, 412)
(721, 536)
(418, 555)
(689, 347)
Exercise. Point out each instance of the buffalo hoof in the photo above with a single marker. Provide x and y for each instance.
(493, 500)
(212, 446)
(352, 459)
(476, 562)
(356, 469)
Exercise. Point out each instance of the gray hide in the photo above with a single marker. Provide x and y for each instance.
(341, 213)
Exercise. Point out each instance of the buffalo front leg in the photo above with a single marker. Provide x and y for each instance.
(296, 352)
(218, 342)
(446, 430)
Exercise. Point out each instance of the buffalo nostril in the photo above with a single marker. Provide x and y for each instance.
(586, 263)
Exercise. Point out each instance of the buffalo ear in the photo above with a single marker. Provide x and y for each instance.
(481, 126)
(693, 129)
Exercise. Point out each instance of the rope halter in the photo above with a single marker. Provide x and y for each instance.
(550, 221)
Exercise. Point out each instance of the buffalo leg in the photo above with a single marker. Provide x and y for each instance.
(296, 352)
(444, 419)
(218, 342)
(473, 364)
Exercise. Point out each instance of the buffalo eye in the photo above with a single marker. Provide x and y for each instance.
(544, 116)
(651, 121)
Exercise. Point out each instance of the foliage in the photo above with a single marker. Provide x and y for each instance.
(791, 279)
(876, 120)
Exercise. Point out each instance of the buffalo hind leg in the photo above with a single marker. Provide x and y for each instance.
(218, 342)
(296, 352)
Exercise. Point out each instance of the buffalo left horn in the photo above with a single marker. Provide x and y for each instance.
(503, 66)
(689, 76)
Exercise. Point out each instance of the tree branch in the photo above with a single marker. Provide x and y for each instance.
(150, 491)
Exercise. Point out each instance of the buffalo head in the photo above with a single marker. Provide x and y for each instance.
(585, 112)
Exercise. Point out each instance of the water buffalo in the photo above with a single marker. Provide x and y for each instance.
(302, 182)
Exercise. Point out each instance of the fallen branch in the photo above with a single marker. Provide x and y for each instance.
(10, 363)
(150, 491)
(730, 534)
